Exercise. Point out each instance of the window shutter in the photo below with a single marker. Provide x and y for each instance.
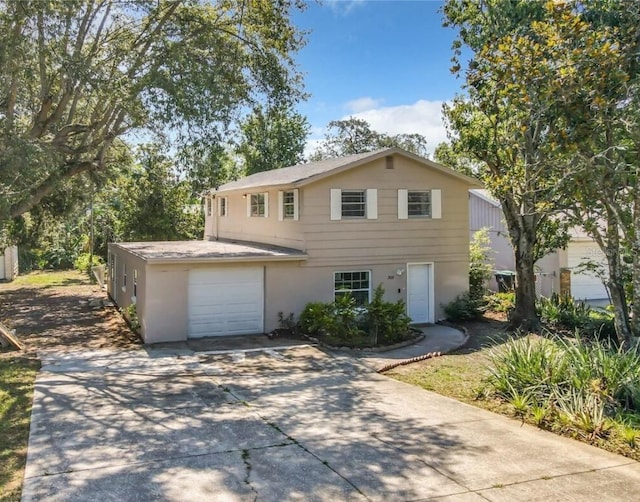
(266, 204)
(336, 204)
(249, 205)
(372, 204)
(295, 204)
(280, 205)
(436, 204)
(403, 204)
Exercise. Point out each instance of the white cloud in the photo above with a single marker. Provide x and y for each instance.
(362, 104)
(343, 7)
(422, 117)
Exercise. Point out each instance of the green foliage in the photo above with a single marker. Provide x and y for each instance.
(82, 262)
(130, 313)
(463, 308)
(387, 322)
(480, 266)
(342, 322)
(77, 77)
(500, 302)
(585, 386)
(564, 313)
(154, 204)
(353, 135)
(272, 139)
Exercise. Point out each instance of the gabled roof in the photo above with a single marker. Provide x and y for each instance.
(303, 174)
(486, 196)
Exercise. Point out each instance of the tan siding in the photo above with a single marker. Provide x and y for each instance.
(237, 225)
(387, 236)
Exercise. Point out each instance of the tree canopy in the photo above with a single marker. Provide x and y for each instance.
(351, 136)
(79, 77)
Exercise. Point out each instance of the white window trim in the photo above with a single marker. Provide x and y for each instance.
(281, 213)
(135, 285)
(351, 272)
(370, 201)
(266, 205)
(436, 204)
(223, 201)
(124, 277)
(209, 206)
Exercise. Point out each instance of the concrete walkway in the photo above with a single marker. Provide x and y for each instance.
(286, 424)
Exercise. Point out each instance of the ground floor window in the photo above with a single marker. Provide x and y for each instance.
(357, 283)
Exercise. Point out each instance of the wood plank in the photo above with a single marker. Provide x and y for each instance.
(7, 335)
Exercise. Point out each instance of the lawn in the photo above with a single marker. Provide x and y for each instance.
(48, 279)
(461, 375)
(17, 376)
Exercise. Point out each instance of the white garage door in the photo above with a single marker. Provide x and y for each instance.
(2, 271)
(585, 285)
(420, 292)
(226, 301)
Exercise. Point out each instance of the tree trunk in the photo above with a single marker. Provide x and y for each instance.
(524, 315)
(635, 305)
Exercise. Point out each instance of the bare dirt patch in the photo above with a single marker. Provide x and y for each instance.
(57, 314)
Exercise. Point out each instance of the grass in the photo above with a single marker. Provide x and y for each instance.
(463, 375)
(48, 279)
(17, 377)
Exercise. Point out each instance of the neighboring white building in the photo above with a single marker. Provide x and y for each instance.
(486, 212)
(9, 263)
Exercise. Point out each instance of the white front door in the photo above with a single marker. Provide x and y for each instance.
(420, 292)
(226, 301)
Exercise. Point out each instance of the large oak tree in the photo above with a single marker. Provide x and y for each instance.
(77, 77)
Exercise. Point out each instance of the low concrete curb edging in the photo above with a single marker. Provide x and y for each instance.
(428, 355)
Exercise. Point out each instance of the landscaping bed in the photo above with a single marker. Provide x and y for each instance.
(466, 375)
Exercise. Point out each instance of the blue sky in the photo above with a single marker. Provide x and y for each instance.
(381, 60)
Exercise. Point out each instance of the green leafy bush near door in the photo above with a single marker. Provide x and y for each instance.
(344, 323)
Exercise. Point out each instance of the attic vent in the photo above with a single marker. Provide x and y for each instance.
(389, 160)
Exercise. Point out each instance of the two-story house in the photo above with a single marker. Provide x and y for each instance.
(276, 240)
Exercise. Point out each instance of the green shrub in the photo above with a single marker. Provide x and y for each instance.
(479, 264)
(463, 308)
(342, 322)
(500, 302)
(584, 385)
(386, 322)
(82, 262)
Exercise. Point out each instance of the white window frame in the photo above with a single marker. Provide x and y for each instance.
(135, 283)
(124, 277)
(368, 290)
(251, 205)
(209, 206)
(223, 207)
(282, 205)
(435, 199)
(370, 204)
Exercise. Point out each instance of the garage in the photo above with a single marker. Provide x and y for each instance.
(586, 285)
(225, 301)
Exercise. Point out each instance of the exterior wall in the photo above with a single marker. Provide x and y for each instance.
(10, 263)
(386, 239)
(124, 295)
(268, 230)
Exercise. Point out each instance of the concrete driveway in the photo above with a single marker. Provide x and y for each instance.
(281, 425)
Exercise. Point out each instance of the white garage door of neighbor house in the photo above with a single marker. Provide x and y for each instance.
(226, 301)
(584, 284)
(2, 271)
(420, 292)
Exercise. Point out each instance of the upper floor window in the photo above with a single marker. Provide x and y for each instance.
(258, 205)
(288, 204)
(419, 204)
(354, 204)
(222, 209)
